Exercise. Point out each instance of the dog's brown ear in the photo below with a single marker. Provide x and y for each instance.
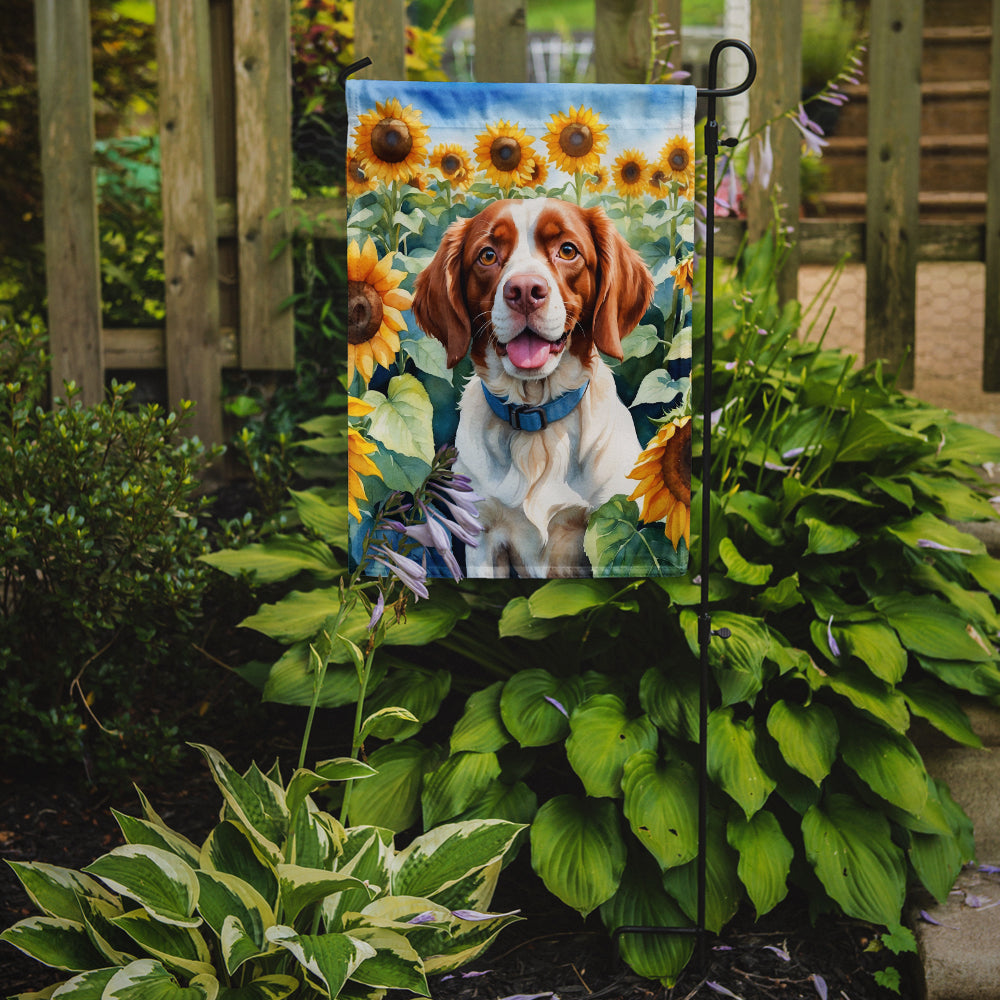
(439, 300)
(624, 285)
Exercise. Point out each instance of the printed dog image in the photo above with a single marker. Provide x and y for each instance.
(532, 290)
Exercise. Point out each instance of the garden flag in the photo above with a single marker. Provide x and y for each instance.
(520, 264)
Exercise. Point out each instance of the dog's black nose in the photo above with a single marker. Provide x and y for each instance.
(525, 292)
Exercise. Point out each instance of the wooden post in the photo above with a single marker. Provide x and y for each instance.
(668, 15)
(380, 34)
(501, 37)
(261, 39)
(893, 183)
(72, 255)
(991, 332)
(622, 40)
(776, 35)
(190, 253)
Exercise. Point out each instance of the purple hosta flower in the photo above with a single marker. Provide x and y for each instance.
(729, 195)
(377, 612)
(427, 917)
(461, 502)
(719, 988)
(811, 132)
(760, 165)
(989, 869)
(408, 571)
(820, 983)
(465, 975)
(431, 534)
(780, 952)
(927, 918)
(475, 915)
(831, 642)
(927, 543)
(558, 705)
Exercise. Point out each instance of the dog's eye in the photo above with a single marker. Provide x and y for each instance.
(487, 256)
(567, 251)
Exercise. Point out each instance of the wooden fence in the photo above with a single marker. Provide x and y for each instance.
(226, 161)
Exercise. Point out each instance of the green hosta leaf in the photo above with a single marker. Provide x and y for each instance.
(481, 727)
(403, 419)
(56, 891)
(159, 881)
(279, 558)
(888, 763)
(738, 661)
(391, 798)
(327, 520)
(301, 887)
(616, 546)
(765, 858)
(54, 941)
(941, 709)
(417, 690)
(515, 803)
(986, 572)
(760, 512)
(225, 897)
(937, 859)
(807, 736)
(395, 964)
(965, 443)
(870, 436)
(828, 539)
(299, 615)
(641, 901)
(330, 959)
(528, 710)
(976, 678)
(141, 831)
(850, 848)
(932, 628)
(866, 692)
(517, 620)
(671, 700)
(275, 987)
(578, 851)
(230, 849)
(602, 738)
(559, 598)
(456, 784)
(957, 501)
(180, 948)
(738, 569)
(723, 889)
(783, 595)
(876, 646)
(388, 722)
(732, 761)
(440, 858)
(661, 801)
(928, 528)
(147, 979)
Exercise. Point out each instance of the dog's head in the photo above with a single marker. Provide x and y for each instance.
(526, 279)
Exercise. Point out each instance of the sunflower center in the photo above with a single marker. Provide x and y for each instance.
(631, 172)
(576, 139)
(505, 153)
(391, 140)
(658, 179)
(364, 312)
(678, 159)
(356, 171)
(676, 465)
(451, 164)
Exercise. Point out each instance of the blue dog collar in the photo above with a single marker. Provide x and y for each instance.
(525, 417)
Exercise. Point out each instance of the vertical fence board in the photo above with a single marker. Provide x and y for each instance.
(668, 15)
(380, 34)
(893, 183)
(261, 40)
(190, 253)
(991, 332)
(501, 36)
(776, 35)
(72, 256)
(622, 40)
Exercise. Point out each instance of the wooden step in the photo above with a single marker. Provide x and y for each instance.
(941, 13)
(945, 105)
(956, 53)
(958, 206)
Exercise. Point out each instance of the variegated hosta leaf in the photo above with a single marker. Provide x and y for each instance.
(328, 959)
(456, 784)
(54, 941)
(225, 897)
(850, 847)
(807, 736)
(141, 831)
(230, 849)
(475, 891)
(481, 727)
(177, 947)
(301, 887)
(642, 902)
(56, 891)
(661, 805)
(158, 880)
(395, 964)
(116, 946)
(392, 798)
(86, 986)
(276, 987)
(578, 851)
(468, 939)
(732, 760)
(304, 782)
(367, 853)
(602, 737)
(315, 838)
(765, 858)
(441, 857)
(149, 980)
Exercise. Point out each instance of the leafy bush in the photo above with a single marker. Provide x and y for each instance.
(279, 899)
(99, 542)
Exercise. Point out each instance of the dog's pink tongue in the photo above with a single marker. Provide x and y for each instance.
(528, 350)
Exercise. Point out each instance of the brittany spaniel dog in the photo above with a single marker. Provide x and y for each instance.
(534, 289)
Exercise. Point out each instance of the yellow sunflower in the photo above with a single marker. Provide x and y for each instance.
(358, 462)
(540, 173)
(658, 183)
(454, 164)
(664, 473)
(683, 275)
(631, 173)
(374, 301)
(358, 181)
(599, 178)
(391, 141)
(677, 163)
(576, 140)
(504, 151)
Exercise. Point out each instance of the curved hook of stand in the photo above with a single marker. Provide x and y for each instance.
(713, 69)
(353, 68)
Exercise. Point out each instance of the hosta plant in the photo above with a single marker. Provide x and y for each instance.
(279, 900)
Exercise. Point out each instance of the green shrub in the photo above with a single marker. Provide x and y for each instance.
(279, 900)
(101, 584)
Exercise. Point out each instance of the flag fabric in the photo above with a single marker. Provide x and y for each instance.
(520, 265)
